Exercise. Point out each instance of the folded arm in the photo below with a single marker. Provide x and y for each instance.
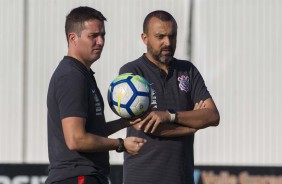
(187, 122)
(200, 118)
(168, 130)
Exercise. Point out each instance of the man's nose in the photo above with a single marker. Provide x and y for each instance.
(167, 41)
(100, 40)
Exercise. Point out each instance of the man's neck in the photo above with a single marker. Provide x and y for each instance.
(86, 64)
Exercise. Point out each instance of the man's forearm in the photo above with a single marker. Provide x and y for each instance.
(173, 130)
(170, 130)
(92, 143)
(116, 125)
(198, 119)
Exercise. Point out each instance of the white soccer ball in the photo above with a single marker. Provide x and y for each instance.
(129, 95)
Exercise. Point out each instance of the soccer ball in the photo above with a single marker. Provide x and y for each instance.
(129, 95)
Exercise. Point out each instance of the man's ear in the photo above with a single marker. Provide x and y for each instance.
(72, 38)
(144, 38)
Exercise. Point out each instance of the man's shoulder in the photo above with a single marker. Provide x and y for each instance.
(182, 65)
(135, 64)
(183, 62)
(66, 70)
(67, 66)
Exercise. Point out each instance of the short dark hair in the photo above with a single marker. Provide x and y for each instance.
(160, 14)
(76, 18)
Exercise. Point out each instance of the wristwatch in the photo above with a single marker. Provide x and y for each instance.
(121, 147)
(172, 114)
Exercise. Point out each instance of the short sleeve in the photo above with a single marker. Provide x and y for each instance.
(72, 95)
(126, 69)
(199, 90)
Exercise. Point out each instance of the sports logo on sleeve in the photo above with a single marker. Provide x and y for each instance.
(97, 103)
(184, 83)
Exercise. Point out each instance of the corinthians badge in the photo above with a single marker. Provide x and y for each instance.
(184, 83)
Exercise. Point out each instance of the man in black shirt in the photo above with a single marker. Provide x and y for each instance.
(77, 132)
(181, 106)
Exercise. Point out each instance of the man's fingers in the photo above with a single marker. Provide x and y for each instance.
(139, 145)
(196, 106)
(199, 105)
(149, 125)
(155, 126)
(142, 124)
(144, 121)
(135, 121)
(134, 144)
(140, 140)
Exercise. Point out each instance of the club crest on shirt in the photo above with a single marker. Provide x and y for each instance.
(184, 83)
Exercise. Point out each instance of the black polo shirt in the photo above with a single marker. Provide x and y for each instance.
(73, 92)
(165, 160)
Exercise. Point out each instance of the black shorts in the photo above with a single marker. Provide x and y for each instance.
(93, 179)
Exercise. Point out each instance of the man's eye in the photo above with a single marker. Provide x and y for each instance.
(91, 36)
(160, 36)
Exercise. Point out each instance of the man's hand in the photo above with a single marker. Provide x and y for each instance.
(154, 118)
(133, 144)
(200, 105)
